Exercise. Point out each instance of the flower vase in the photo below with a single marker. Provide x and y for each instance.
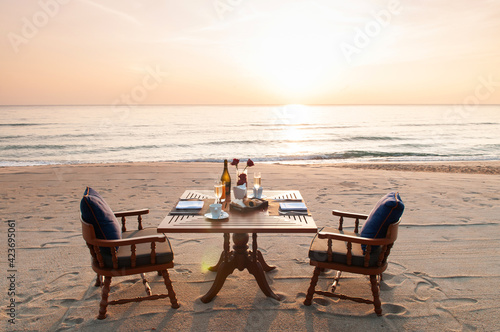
(242, 179)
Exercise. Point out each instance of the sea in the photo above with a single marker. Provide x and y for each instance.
(288, 134)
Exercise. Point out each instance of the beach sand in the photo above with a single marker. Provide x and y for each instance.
(444, 271)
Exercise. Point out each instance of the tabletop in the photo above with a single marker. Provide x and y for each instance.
(259, 221)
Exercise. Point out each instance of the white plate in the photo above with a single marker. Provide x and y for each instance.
(223, 215)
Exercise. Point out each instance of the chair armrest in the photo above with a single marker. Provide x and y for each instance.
(354, 239)
(124, 214)
(131, 213)
(128, 242)
(357, 216)
(349, 214)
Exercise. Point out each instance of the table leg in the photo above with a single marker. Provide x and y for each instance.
(262, 262)
(239, 259)
(224, 270)
(256, 270)
(216, 266)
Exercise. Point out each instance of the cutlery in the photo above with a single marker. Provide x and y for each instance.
(287, 199)
(293, 213)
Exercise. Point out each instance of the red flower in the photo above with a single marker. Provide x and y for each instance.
(249, 163)
(235, 162)
(242, 178)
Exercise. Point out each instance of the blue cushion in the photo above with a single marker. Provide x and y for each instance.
(97, 212)
(387, 211)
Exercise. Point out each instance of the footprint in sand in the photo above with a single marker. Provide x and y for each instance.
(64, 302)
(321, 301)
(395, 309)
(71, 275)
(390, 281)
(74, 320)
(301, 261)
(53, 244)
(394, 276)
(187, 241)
(183, 271)
(318, 300)
(422, 291)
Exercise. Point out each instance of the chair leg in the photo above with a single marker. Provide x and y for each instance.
(98, 281)
(170, 289)
(146, 284)
(104, 298)
(336, 281)
(376, 295)
(312, 286)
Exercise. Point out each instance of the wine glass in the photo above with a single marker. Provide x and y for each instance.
(257, 180)
(218, 190)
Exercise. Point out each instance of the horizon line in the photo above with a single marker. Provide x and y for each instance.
(276, 104)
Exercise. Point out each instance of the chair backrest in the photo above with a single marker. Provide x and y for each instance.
(392, 231)
(88, 232)
(392, 234)
(90, 238)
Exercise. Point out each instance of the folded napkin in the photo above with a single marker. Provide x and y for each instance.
(238, 202)
(293, 206)
(189, 205)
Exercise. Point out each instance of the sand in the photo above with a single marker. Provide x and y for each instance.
(444, 271)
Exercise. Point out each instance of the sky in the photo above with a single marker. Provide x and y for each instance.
(122, 52)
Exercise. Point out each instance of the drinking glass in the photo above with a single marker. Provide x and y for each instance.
(218, 190)
(257, 180)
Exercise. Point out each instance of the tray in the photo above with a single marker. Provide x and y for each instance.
(251, 204)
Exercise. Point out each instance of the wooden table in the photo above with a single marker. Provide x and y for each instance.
(240, 223)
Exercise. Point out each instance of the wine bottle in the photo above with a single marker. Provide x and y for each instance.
(226, 181)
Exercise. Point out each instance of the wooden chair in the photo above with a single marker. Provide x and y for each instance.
(341, 250)
(138, 252)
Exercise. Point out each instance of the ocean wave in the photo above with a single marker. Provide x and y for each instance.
(38, 147)
(371, 138)
(347, 155)
(450, 123)
(299, 159)
(25, 124)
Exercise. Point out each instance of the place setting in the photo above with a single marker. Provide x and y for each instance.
(215, 212)
(191, 203)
